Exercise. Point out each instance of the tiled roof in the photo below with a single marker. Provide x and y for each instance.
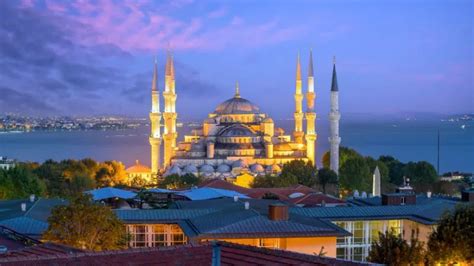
(201, 254)
(26, 225)
(426, 214)
(31, 222)
(205, 193)
(111, 192)
(140, 215)
(37, 251)
(317, 198)
(222, 184)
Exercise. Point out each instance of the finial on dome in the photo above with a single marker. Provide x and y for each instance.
(237, 90)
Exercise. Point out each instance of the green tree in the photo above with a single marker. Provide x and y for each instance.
(86, 225)
(395, 169)
(111, 173)
(6, 185)
(453, 239)
(25, 182)
(326, 176)
(270, 181)
(392, 249)
(305, 173)
(175, 181)
(79, 184)
(422, 175)
(345, 154)
(355, 174)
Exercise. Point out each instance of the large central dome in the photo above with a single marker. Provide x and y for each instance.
(237, 105)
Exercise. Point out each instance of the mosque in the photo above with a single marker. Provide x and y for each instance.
(237, 140)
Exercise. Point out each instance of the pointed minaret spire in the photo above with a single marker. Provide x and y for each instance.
(172, 66)
(237, 90)
(154, 84)
(334, 117)
(310, 66)
(334, 86)
(168, 64)
(298, 133)
(298, 69)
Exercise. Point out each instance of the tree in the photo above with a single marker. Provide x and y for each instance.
(422, 175)
(180, 181)
(269, 181)
(355, 174)
(392, 249)
(326, 176)
(453, 239)
(345, 154)
(395, 169)
(21, 181)
(305, 173)
(111, 173)
(86, 225)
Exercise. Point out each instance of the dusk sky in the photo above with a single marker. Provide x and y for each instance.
(87, 57)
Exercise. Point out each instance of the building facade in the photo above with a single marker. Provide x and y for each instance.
(236, 138)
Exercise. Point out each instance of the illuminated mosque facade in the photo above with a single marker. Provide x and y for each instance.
(237, 138)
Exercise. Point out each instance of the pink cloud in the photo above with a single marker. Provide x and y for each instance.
(143, 26)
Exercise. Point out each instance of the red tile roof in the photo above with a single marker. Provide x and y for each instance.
(222, 184)
(201, 254)
(315, 199)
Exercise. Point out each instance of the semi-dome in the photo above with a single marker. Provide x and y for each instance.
(237, 105)
(236, 130)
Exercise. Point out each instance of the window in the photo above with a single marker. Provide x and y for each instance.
(358, 232)
(177, 236)
(156, 235)
(159, 235)
(272, 243)
(139, 236)
(402, 200)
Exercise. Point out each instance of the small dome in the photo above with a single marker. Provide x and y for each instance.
(138, 168)
(237, 105)
(206, 168)
(257, 168)
(274, 168)
(190, 169)
(174, 170)
(223, 168)
(268, 120)
(239, 163)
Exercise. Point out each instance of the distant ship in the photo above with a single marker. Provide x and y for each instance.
(463, 126)
(179, 124)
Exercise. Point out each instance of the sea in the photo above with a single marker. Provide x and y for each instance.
(406, 140)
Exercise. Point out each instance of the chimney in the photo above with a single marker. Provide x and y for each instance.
(247, 205)
(236, 198)
(23, 207)
(32, 198)
(278, 212)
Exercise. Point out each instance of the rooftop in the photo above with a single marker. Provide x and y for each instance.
(202, 254)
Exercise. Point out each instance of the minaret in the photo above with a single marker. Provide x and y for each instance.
(334, 117)
(298, 134)
(155, 120)
(376, 183)
(170, 135)
(311, 135)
